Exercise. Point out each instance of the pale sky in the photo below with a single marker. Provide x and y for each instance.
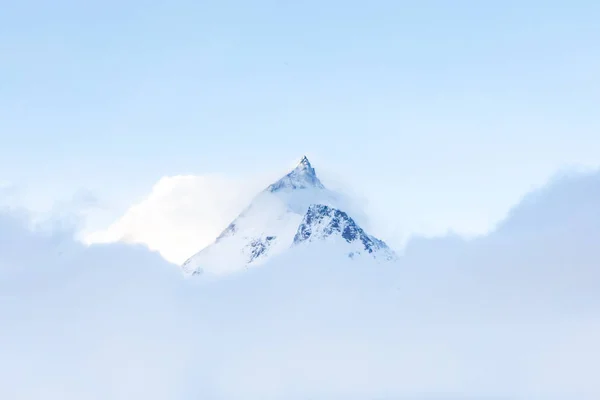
(441, 115)
(157, 121)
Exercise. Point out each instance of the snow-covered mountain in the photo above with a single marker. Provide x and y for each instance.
(322, 222)
(296, 210)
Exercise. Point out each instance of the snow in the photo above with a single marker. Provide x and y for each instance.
(267, 227)
(267, 216)
(301, 177)
(324, 223)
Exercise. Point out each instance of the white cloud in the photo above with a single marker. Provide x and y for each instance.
(513, 315)
(9, 194)
(181, 215)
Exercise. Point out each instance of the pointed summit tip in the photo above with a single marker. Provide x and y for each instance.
(304, 162)
(301, 177)
(305, 167)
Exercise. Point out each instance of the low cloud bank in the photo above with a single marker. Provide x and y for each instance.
(512, 315)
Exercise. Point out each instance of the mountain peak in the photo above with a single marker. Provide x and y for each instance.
(305, 167)
(304, 164)
(295, 210)
(301, 177)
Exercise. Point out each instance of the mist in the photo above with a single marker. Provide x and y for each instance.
(511, 315)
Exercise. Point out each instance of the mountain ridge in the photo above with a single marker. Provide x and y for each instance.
(323, 222)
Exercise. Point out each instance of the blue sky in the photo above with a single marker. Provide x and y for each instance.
(444, 112)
